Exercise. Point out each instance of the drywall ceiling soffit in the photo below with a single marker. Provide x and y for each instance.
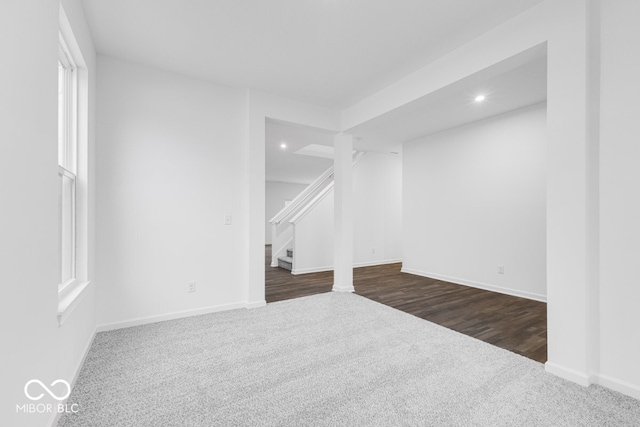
(515, 83)
(326, 52)
(315, 150)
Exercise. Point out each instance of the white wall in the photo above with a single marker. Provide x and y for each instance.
(620, 197)
(261, 107)
(377, 210)
(169, 168)
(34, 345)
(313, 238)
(275, 195)
(474, 199)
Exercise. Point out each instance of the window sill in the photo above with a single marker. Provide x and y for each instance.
(69, 299)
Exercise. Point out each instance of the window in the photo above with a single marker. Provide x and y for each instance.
(74, 184)
(67, 165)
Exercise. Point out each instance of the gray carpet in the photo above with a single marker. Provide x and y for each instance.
(325, 360)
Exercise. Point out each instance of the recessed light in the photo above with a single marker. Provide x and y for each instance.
(480, 98)
(283, 145)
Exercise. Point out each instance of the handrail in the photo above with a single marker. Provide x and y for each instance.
(305, 194)
(309, 195)
(321, 195)
(303, 212)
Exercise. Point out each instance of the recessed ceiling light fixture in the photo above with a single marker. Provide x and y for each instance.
(283, 145)
(480, 98)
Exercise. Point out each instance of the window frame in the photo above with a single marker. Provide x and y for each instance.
(68, 159)
(67, 163)
(78, 164)
(72, 259)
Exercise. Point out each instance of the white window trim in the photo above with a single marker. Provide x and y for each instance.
(63, 172)
(71, 125)
(69, 298)
(72, 292)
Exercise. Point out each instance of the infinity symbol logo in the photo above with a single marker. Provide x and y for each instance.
(52, 394)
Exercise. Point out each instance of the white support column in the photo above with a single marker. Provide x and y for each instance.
(343, 213)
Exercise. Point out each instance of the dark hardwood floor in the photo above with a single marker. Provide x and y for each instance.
(515, 324)
(280, 284)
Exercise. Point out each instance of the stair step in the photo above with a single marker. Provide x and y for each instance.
(285, 262)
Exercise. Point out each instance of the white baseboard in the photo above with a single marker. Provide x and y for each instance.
(374, 263)
(84, 357)
(170, 316)
(355, 265)
(343, 289)
(577, 377)
(618, 385)
(74, 379)
(478, 285)
(256, 304)
(311, 270)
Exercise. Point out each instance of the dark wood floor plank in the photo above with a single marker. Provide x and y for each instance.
(281, 285)
(515, 324)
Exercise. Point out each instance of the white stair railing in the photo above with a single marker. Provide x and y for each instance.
(281, 223)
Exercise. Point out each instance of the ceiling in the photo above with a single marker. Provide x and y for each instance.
(327, 52)
(331, 53)
(284, 165)
(518, 82)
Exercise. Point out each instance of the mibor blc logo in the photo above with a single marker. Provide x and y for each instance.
(45, 388)
(35, 390)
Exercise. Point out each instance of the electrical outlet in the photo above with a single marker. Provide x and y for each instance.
(227, 219)
(373, 250)
(191, 287)
(501, 269)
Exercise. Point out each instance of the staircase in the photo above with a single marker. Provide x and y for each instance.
(286, 262)
(283, 224)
